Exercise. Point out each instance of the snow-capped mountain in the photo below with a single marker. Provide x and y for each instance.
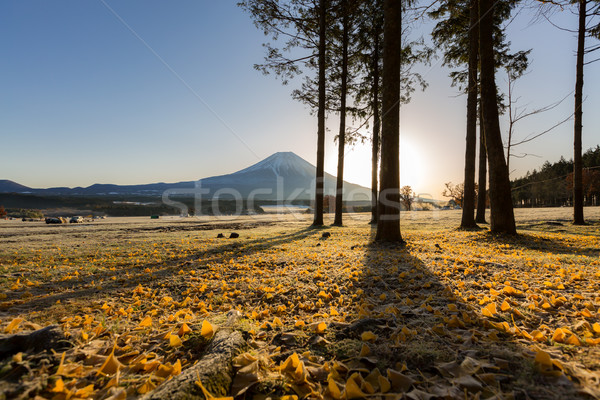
(281, 176)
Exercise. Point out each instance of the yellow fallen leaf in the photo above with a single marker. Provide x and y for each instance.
(504, 306)
(368, 336)
(320, 328)
(111, 365)
(596, 327)
(364, 351)
(559, 335)
(59, 386)
(299, 324)
(146, 322)
(291, 363)
(277, 322)
(184, 330)
(353, 391)
(543, 358)
(207, 330)
(85, 392)
(175, 341)
(489, 310)
(146, 387)
(18, 357)
(384, 384)
(538, 336)
(13, 325)
(574, 340)
(334, 389)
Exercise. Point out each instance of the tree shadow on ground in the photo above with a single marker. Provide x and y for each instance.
(124, 278)
(543, 243)
(439, 343)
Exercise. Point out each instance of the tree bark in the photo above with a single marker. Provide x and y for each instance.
(502, 213)
(376, 129)
(215, 368)
(577, 162)
(318, 217)
(482, 190)
(468, 208)
(339, 193)
(388, 227)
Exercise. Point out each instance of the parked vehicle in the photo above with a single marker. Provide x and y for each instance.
(76, 220)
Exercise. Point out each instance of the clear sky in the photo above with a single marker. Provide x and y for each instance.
(105, 91)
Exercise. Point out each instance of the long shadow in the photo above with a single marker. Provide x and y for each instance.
(81, 287)
(437, 342)
(530, 241)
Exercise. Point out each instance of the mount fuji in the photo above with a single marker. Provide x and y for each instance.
(281, 176)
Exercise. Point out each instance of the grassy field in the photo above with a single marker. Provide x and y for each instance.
(454, 314)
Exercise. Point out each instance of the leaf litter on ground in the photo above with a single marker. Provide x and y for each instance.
(484, 317)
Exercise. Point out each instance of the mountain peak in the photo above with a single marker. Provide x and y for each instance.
(283, 163)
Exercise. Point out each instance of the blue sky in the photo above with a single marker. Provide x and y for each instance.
(145, 91)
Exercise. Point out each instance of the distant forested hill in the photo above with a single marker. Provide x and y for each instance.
(552, 185)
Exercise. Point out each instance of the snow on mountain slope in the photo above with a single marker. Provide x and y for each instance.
(283, 164)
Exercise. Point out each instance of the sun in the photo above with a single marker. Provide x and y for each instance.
(357, 164)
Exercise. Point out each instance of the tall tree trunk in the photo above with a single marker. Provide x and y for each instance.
(468, 207)
(388, 227)
(482, 190)
(577, 162)
(339, 194)
(502, 213)
(376, 128)
(318, 218)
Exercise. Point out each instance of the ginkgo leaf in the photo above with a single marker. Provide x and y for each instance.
(13, 325)
(489, 310)
(364, 351)
(320, 328)
(146, 387)
(574, 340)
(146, 322)
(111, 365)
(353, 391)
(334, 389)
(400, 382)
(504, 306)
(184, 330)
(543, 358)
(207, 330)
(175, 341)
(368, 336)
(59, 386)
(559, 335)
(384, 384)
(85, 392)
(291, 363)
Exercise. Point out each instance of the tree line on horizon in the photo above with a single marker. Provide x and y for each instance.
(355, 59)
(552, 184)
